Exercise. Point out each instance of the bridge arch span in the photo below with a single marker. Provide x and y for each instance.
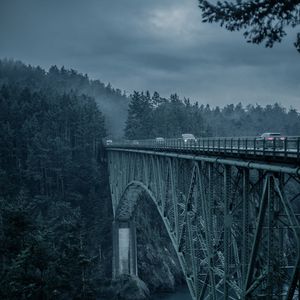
(234, 225)
(127, 207)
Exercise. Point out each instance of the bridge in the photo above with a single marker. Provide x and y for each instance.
(231, 207)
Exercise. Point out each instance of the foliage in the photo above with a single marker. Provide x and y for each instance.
(263, 20)
(138, 123)
(54, 200)
(252, 120)
(150, 117)
(112, 102)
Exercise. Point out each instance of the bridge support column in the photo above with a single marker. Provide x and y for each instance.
(124, 248)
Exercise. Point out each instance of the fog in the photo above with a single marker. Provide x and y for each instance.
(150, 45)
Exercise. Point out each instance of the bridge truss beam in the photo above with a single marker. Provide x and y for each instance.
(234, 224)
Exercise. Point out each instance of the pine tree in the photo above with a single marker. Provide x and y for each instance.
(264, 20)
(138, 124)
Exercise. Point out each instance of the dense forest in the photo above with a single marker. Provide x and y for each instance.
(112, 102)
(55, 212)
(152, 116)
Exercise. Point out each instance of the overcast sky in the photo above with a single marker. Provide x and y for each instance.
(150, 45)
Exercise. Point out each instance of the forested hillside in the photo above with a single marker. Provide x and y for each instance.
(112, 102)
(55, 212)
(152, 116)
(55, 207)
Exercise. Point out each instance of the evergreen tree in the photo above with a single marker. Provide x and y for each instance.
(138, 124)
(53, 187)
(264, 20)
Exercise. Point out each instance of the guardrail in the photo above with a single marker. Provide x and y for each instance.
(287, 147)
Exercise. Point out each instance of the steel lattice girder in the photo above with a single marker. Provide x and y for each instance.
(234, 224)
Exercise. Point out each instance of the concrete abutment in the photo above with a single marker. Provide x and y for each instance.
(124, 248)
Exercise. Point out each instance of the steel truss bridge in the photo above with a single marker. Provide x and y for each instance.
(230, 206)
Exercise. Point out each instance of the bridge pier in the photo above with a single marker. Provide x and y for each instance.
(124, 248)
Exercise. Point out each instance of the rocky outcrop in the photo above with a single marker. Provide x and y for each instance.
(128, 287)
(158, 265)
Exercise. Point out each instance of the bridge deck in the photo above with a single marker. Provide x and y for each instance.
(282, 151)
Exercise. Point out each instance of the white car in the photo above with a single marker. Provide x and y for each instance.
(108, 142)
(188, 138)
(159, 140)
(270, 136)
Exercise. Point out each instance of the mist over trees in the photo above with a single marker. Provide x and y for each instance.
(112, 102)
(252, 120)
(153, 116)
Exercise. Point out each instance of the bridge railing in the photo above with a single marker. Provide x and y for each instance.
(288, 147)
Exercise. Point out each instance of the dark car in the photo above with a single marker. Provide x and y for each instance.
(272, 140)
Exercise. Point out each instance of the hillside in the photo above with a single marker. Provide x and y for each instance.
(111, 101)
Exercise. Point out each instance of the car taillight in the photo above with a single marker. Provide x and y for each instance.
(270, 139)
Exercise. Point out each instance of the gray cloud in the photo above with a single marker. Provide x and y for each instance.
(154, 45)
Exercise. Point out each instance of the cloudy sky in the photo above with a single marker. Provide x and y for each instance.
(150, 45)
